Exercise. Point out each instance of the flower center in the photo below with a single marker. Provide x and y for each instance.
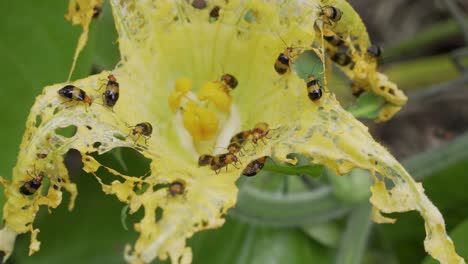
(204, 121)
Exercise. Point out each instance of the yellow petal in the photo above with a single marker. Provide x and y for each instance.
(7, 241)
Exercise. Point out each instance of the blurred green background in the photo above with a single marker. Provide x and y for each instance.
(310, 217)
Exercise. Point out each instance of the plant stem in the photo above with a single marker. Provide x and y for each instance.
(353, 242)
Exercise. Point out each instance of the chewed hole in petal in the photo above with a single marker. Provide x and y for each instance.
(159, 214)
(73, 163)
(251, 16)
(67, 132)
(119, 136)
(158, 187)
(140, 188)
(117, 158)
(308, 63)
(38, 121)
(107, 177)
(45, 186)
(199, 4)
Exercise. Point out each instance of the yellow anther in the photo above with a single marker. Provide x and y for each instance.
(216, 93)
(200, 122)
(183, 84)
(181, 87)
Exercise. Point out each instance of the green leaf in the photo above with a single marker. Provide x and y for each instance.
(308, 63)
(238, 242)
(37, 48)
(106, 51)
(367, 105)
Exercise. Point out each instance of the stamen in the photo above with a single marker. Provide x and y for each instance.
(216, 93)
(207, 120)
(201, 123)
(182, 86)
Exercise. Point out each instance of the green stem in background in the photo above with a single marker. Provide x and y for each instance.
(436, 33)
(462, 22)
(420, 73)
(328, 233)
(285, 185)
(427, 163)
(354, 240)
(439, 89)
(260, 207)
(352, 188)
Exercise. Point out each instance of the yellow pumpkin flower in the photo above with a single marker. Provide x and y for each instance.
(173, 56)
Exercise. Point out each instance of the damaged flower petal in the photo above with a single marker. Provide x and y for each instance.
(171, 51)
(81, 12)
(348, 46)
